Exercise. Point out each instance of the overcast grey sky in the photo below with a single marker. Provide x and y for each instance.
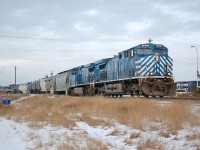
(83, 31)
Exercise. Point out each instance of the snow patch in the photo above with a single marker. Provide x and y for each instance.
(23, 98)
(14, 136)
(113, 135)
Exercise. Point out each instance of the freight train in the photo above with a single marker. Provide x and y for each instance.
(145, 69)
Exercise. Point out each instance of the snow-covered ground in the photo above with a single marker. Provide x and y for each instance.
(113, 135)
(11, 136)
(20, 136)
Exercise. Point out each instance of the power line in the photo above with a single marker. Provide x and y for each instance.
(177, 42)
(69, 40)
(51, 59)
(53, 50)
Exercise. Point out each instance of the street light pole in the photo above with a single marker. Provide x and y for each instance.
(197, 65)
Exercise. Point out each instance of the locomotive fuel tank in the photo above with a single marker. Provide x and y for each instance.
(114, 89)
(78, 91)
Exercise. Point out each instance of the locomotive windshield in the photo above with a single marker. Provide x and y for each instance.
(161, 52)
(143, 51)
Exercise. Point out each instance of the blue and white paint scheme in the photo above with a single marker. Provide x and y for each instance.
(145, 69)
(158, 65)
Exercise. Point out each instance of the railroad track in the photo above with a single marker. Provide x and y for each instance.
(177, 98)
(162, 98)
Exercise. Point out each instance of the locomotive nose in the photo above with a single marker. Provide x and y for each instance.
(154, 65)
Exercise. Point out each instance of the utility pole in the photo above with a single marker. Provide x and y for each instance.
(197, 66)
(51, 73)
(15, 77)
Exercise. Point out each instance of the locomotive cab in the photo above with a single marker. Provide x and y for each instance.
(145, 69)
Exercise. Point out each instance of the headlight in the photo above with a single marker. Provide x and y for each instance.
(157, 58)
(169, 74)
(151, 73)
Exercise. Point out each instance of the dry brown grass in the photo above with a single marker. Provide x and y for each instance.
(35, 125)
(164, 134)
(39, 145)
(150, 144)
(91, 144)
(115, 132)
(197, 146)
(133, 111)
(128, 141)
(90, 121)
(135, 135)
(96, 145)
(65, 147)
(198, 111)
(194, 136)
(2, 93)
(193, 94)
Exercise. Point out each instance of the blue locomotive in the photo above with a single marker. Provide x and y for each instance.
(145, 69)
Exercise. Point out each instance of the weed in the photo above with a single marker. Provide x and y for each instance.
(150, 144)
(135, 135)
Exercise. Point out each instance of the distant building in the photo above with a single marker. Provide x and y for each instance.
(187, 85)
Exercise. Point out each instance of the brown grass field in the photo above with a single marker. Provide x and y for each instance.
(135, 112)
(138, 113)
